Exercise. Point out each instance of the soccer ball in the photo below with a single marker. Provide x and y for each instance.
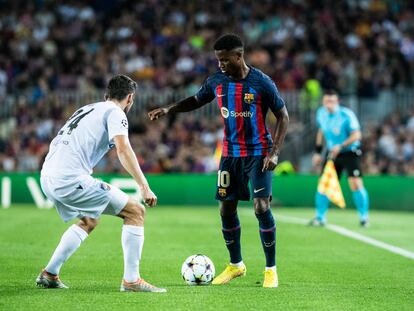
(198, 270)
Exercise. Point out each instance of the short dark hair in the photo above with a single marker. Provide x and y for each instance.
(119, 87)
(228, 42)
(330, 92)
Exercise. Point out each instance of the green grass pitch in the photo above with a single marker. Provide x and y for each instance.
(318, 269)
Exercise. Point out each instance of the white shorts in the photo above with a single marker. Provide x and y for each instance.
(83, 196)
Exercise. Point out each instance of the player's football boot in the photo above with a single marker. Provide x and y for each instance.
(364, 223)
(140, 286)
(315, 222)
(270, 279)
(230, 273)
(48, 280)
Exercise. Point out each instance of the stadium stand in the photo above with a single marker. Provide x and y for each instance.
(49, 49)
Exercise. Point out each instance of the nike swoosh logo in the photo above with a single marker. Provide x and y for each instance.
(221, 95)
(258, 190)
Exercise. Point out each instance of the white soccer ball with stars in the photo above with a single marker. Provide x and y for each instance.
(198, 270)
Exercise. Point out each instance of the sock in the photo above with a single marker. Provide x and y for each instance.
(322, 204)
(132, 239)
(69, 243)
(231, 233)
(361, 201)
(271, 268)
(238, 265)
(268, 236)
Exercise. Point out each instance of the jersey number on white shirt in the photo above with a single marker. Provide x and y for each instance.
(75, 119)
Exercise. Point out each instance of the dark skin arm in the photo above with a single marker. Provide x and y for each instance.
(191, 103)
(185, 105)
(282, 116)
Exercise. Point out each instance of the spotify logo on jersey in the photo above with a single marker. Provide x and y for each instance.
(244, 114)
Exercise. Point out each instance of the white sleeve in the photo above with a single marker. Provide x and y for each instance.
(117, 124)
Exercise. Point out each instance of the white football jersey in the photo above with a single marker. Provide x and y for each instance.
(85, 138)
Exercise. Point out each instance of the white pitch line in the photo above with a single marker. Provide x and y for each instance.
(352, 235)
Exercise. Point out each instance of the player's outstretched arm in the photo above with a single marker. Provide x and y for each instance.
(129, 161)
(279, 134)
(185, 105)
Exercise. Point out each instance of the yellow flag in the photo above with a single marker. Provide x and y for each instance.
(329, 185)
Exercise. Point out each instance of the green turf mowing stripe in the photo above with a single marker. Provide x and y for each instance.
(353, 235)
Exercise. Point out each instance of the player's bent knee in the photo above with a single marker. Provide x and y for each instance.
(261, 205)
(133, 213)
(140, 210)
(88, 224)
(228, 208)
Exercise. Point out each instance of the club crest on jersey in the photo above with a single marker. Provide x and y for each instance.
(124, 123)
(222, 192)
(248, 98)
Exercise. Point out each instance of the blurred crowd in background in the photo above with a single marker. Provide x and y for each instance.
(357, 47)
(389, 146)
(189, 145)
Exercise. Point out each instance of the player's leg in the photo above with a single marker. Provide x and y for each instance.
(359, 193)
(267, 229)
(132, 240)
(321, 200)
(361, 199)
(262, 190)
(321, 205)
(71, 240)
(231, 234)
(231, 231)
(87, 204)
(230, 188)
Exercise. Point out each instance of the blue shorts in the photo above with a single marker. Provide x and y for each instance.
(234, 175)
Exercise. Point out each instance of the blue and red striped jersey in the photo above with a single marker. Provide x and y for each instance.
(243, 105)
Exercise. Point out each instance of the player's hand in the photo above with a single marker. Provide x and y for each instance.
(157, 113)
(316, 159)
(335, 151)
(149, 198)
(270, 162)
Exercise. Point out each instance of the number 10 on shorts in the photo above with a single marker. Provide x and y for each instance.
(223, 179)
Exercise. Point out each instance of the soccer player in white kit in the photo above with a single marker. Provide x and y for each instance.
(66, 180)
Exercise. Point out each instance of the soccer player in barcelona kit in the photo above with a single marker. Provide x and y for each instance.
(341, 130)
(244, 95)
(65, 178)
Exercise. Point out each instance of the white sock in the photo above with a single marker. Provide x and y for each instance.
(271, 268)
(238, 265)
(69, 243)
(132, 242)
